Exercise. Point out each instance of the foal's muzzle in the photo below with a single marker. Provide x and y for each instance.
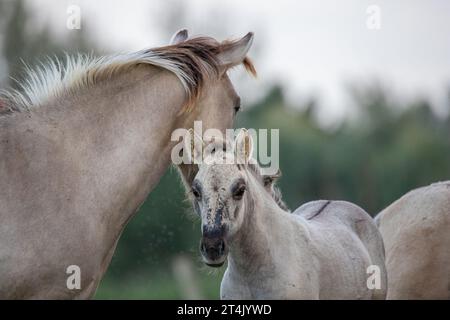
(214, 251)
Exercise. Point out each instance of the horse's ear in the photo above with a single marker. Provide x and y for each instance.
(243, 146)
(193, 147)
(235, 52)
(179, 36)
(270, 179)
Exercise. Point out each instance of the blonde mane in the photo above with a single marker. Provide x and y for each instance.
(192, 61)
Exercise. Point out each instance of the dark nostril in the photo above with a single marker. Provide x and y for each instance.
(221, 247)
(213, 249)
(202, 247)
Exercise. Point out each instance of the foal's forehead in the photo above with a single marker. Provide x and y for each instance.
(219, 175)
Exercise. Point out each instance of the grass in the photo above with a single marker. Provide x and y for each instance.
(158, 284)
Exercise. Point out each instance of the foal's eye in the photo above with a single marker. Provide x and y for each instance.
(196, 193)
(239, 192)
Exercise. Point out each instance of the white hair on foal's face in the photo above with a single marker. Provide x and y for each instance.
(220, 186)
(225, 190)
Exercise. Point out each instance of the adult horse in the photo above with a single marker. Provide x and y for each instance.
(82, 146)
(416, 235)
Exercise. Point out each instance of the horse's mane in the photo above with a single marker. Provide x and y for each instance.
(192, 61)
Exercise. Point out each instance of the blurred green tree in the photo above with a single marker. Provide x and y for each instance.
(23, 41)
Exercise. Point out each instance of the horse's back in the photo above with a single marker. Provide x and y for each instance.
(346, 222)
(343, 213)
(416, 233)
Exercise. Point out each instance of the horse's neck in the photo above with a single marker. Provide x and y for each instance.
(261, 227)
(121, 131)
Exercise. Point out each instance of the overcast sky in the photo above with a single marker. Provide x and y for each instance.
(312, 47)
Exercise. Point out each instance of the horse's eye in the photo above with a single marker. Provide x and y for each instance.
(237, 105)
(239, 193)
(196, 193)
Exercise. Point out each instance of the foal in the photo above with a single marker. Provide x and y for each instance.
(321, 251)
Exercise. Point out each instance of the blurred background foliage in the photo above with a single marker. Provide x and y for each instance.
(387, 149)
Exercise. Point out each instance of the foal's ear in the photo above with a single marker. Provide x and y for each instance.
(193, 147)
(270, 179)
(243, 146)
(234, 52)
(179, 36)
